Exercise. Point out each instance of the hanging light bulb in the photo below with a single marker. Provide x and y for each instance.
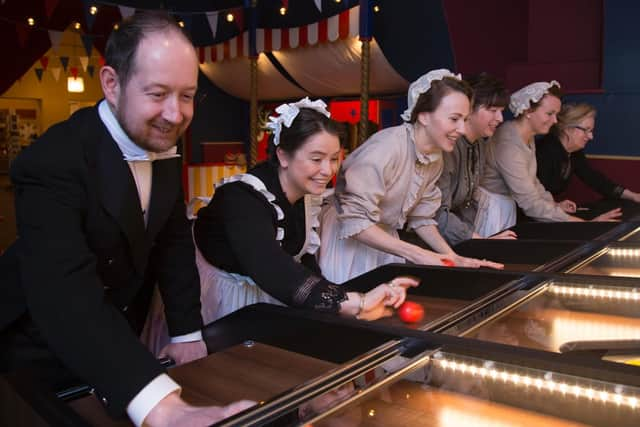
(31, 21)
(116, 26)
(77, 25)
(376, 8)
(283, 11)
(230, 17)
(93, 10)
(181, 24)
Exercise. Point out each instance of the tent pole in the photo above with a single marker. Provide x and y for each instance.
(365, 28)
(364, 92)
(253, 104)
(253, 112)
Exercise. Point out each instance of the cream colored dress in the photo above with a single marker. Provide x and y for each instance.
(385, 182)
(510, 178)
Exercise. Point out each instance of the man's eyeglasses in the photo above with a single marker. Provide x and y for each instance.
(585, 130)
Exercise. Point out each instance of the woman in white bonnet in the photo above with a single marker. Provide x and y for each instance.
(390, 181)
(510, 172)
(256, 239)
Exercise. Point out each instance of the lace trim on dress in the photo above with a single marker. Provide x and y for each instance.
(303, 292)
(331, 298)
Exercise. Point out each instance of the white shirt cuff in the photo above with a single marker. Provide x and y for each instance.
(193, 336)
(149, 396)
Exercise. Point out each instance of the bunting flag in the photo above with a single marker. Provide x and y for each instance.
(39, 73)
(89, 19)
(23, 34)
(55, 71)
(50, 6)
(44, 61)
(84, 62)
(101, 61)
(345, 24)
(90, 70)
(318, 4)
(87, 41)
(56, 38)
(212, 17)
(74, 72)
(126, 12)
(64, 60)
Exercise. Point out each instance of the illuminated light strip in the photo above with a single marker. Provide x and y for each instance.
(540, 382)
(592, 292)
(624, 252)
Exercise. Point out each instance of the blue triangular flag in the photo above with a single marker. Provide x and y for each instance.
(87, 41)
(90, 70)
(39, 73)
(64, 60)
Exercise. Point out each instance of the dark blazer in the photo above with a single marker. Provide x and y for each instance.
(82, 253)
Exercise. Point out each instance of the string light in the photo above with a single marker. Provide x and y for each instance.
(31, 21)
(283, 10)
(116, 26)
(230, 17)
(181, 24)
(624, 252)
(376, 8)
(93, 10)
(77, 25)
(595, 292)
(551, 382)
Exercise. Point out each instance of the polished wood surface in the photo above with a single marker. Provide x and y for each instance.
(258, 372)
(434, 308)
(413, 404)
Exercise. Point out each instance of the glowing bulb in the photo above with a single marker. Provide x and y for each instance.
(230, 17)
(116, 26)
(93, 10)
(283, 11)
(376, 8)
(31, 21)
(181, 24)
(77, 26)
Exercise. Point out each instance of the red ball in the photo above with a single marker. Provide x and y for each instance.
(447, 262)
(410, 312)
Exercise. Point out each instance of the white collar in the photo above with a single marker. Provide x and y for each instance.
(130, 150)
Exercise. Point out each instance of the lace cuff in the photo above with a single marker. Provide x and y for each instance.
(319, 294)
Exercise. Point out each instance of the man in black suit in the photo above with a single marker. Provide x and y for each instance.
(100, 212)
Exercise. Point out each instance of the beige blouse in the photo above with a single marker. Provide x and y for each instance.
(386, 181)
(510, 170)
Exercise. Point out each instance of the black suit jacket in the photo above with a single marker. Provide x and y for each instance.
(83, 250)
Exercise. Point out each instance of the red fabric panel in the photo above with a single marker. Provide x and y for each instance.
(267, 40)
(620, 171)
(214, 54)
(303, 36)
(343, 25)
(323, 32)
(284, 43)
(201, 54)
(240, 45)
(487, 35)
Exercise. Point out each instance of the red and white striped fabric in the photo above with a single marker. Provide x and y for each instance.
(341, 26)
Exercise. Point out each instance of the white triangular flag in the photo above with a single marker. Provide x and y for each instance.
(212, 17)
(56, 38)
(318, 4)
(84, 61)
(126, 12)
(56, 72)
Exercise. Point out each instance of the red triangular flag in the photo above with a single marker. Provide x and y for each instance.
(74, 72)
(101, 61)
(44, 61)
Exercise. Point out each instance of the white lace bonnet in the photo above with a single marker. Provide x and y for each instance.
(521, 100)
(288, 112)
(422, 85)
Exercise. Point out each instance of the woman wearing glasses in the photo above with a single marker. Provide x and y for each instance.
(511, 166)
(560, 154)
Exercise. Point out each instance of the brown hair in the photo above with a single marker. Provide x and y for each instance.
(488, 91)
(122, 45)
(552, 91)
(429, 101)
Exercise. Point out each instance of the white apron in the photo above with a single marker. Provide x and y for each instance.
(496, 212)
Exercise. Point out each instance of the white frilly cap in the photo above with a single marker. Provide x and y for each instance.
(288, 112)
(422, 85)
(521, 100)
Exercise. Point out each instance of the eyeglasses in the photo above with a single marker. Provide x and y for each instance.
(585, 130)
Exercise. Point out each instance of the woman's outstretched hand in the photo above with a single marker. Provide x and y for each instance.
(380, 301)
